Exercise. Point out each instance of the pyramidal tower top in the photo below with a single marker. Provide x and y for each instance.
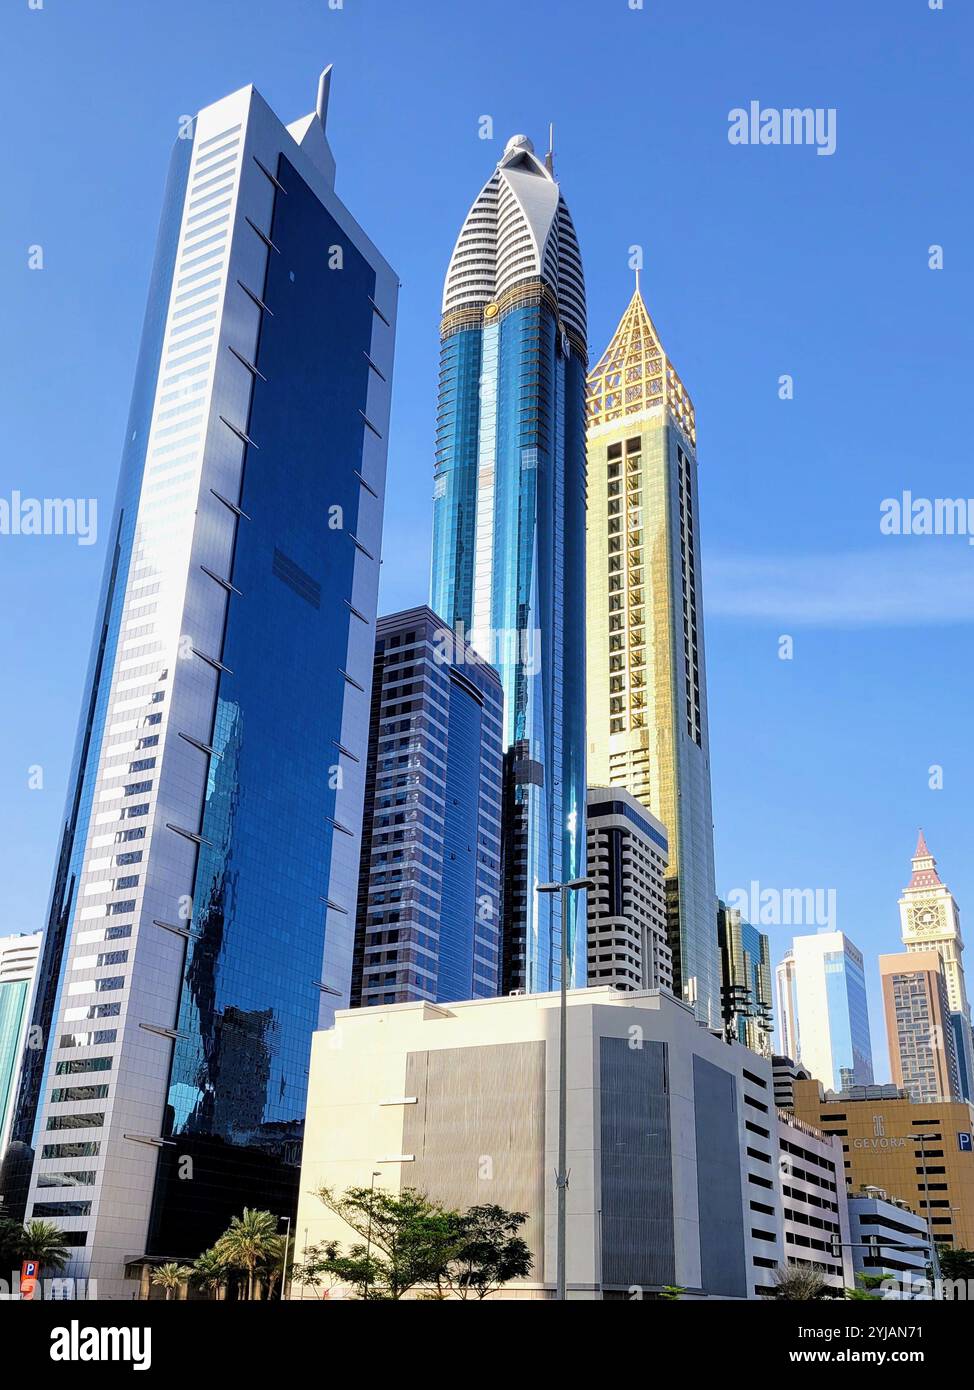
(925, 873)
(634, 376)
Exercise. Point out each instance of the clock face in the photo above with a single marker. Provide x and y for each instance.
(926, 917)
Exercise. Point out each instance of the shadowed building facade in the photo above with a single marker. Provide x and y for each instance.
(428, 921)
(745, 990)
(508, 567)
(627, 945)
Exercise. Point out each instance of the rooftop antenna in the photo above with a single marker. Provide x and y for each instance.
(637, 279)
(549, 159)
(324, 85)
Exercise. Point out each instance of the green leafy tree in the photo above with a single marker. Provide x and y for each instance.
(956, 1262)
(170, 1277)
(672, 1293)
(360, 1268)
(867, 1286)
(491, 1254)
(408, 1240)
(248, 1243)
(317, 1267)
(44, 1242)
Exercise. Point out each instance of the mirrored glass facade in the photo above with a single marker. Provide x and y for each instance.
(845, 988)
(822, 992)
(19, 957)
(509, 530)
(745, 987)
(202, 918)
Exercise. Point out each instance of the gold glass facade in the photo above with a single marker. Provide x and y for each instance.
(646, 687)
(881, 1149)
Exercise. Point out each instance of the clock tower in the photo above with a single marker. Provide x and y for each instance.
(930, 920)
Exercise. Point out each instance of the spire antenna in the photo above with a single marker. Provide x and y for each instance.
(324, 86)
(549, 159)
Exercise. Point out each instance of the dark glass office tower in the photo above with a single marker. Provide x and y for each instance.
(428, 924)
(509, 528)
(202, 919)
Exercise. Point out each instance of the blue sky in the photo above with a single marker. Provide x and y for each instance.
(760, 261)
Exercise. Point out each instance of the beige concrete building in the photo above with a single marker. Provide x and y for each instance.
(922, 1052)
(673, 1146)
(882, 1148)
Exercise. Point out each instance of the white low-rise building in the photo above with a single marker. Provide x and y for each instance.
(672, 1135)
(890, 1240)
(814, 1211)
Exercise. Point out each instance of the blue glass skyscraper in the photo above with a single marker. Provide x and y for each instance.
(509, 528)
(201, 924)
(824, 1020)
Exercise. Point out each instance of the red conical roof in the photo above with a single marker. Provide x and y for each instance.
(924, 867)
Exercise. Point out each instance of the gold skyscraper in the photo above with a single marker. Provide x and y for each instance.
(646, 686)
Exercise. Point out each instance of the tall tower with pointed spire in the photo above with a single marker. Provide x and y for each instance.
(646, 684)
(930, 920)
(509, 529)
(201, 924)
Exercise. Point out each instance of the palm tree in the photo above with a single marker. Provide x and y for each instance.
(44, 1242)
(248, 1242)
(209, 1271)
(170, 1277)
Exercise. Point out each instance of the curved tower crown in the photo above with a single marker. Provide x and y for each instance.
(518, 230)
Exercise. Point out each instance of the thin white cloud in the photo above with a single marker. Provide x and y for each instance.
(911, 581)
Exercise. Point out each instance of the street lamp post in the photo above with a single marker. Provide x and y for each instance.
(287, 1248)
(572, 886)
